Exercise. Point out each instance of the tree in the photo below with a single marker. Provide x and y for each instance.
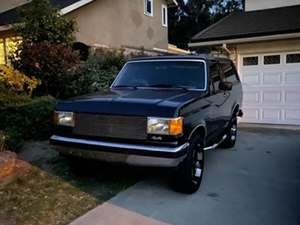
(223, 8)
(45, 51)
(192, 16)
(40, 22)
(189, 18)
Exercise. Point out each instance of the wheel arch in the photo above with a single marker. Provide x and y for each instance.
(200, 130)
(235, 109)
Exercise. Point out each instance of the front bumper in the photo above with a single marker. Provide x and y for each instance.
(132, 154)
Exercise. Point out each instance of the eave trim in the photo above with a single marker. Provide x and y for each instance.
(245, 40)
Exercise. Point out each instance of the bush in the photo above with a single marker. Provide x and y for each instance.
(8, 98)
(53, 64)
(29, 120)
(102, 68)
(15, 81)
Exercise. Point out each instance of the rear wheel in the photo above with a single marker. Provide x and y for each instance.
(231, 134)
(190, 172)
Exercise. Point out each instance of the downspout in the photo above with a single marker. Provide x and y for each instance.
(224, 47)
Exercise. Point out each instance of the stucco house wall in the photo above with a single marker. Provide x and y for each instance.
(105, 22)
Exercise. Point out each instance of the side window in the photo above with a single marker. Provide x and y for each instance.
(148, 7)
(214, 77)
(164, 15)
(229, 71)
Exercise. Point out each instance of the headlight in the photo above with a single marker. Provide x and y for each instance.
(165, 126)
(64, 119)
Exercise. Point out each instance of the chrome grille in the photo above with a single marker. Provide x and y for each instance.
(126, 127)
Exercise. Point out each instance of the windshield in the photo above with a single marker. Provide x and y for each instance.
(162, 74)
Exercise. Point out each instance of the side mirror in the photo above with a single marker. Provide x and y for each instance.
(225, 86)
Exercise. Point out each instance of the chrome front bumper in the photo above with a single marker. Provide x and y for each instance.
(132, 154)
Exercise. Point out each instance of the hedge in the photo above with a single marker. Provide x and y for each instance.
(29, 120)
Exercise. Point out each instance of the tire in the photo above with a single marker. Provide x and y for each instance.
(189, 173)
(231, 133)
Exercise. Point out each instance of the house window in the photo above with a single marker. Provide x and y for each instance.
(7, 47)
(271, 59)
(164, 13)
(148, 7)
(250, 61)
(293, 58)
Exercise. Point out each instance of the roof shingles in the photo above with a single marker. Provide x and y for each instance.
(252, 24)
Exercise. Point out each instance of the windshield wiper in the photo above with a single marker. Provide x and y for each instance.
(170, 86)
(125, 86)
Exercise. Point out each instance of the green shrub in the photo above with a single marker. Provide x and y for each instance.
(101, 69)
(29, 120)
(8, 98)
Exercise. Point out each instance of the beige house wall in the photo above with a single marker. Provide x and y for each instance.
(267, 4)
(118, 23)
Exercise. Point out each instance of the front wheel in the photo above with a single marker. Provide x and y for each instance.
(189, 174)
(231, 134)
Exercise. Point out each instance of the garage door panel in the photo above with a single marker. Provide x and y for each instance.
(251, 78)
(292, 78)
(292, 97)
(251, 97)
(271, 92)
(251, 115)
(271, 115)
(272, 97)
(273, 78)
(292, 115)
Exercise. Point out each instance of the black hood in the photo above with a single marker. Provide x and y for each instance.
(138, 102)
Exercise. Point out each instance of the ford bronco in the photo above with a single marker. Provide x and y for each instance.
(159, 112)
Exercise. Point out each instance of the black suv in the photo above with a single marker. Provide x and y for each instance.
(160, 112)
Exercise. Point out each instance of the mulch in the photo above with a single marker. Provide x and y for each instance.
(11, 167)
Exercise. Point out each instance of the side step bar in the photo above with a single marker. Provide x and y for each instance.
(214, 146)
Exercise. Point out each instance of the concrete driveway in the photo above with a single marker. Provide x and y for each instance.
(256, 183)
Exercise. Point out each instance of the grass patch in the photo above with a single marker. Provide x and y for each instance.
(41, 198)
(38, 198)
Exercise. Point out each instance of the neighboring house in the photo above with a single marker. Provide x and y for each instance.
(264, 41)
(112, 23)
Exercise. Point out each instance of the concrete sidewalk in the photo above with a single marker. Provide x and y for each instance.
(257, 182)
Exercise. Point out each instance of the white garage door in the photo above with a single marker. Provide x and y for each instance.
(271, 84)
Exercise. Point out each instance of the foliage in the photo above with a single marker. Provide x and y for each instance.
(103, 68)
(43, 23)
(192, 16)
(28, 120)
(53, 64)
(12, 99)
(223, 8)
(2, 141)
(16, 81)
